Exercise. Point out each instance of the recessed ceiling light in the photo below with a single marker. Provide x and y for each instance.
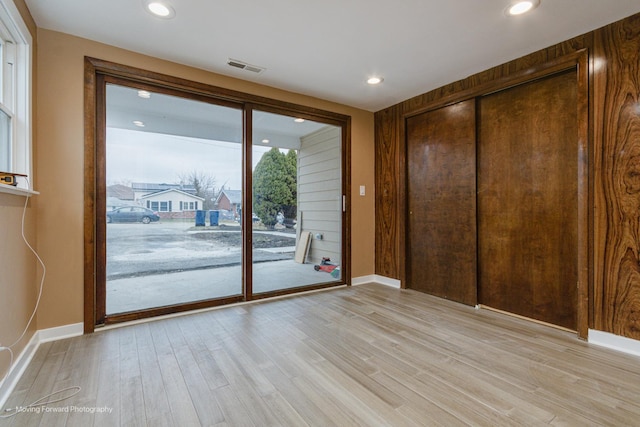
(144, 94)
(520, 7)
(298, 120)
(138, 123)
(265, 141)
(374, 80)
(161, 9)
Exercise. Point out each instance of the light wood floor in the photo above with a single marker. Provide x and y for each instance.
(368, 355)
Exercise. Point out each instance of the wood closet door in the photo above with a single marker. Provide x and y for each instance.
(527, 200)
(441, 238)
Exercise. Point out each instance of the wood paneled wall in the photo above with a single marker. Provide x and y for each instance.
(390, 188)
(616, 124)
(614, 156)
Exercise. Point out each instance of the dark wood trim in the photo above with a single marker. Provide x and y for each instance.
(100, 202)
(183, 86)
(346, 213)
(247, 200)
(89, 196)
(291, 110)
(585, 195)
(298, 289)
(97, 72)
(593, 156)
(171, 309)
(199, 305)
(403, 220)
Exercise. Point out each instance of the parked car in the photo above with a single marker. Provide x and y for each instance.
(132, 214)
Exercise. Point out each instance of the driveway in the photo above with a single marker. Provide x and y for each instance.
(135, 250)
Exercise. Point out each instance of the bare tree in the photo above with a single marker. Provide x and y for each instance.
(204, 185)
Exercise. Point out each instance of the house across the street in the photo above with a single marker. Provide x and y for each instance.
(169, 200)
(172, 203)
(230, 200)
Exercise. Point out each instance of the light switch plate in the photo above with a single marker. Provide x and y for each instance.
(362, 190)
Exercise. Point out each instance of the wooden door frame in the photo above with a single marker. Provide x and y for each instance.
(95, 73)
(579, 61)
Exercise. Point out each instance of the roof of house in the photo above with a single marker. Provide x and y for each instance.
(155, 187)
(234, 196)
(120, 191)
(171, 190)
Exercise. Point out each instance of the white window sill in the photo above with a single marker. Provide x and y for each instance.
(10, 189)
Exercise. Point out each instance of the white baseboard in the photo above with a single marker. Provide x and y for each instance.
(375, 278)
(614, 342)
(355, 281)
(21, 362)
(60, 332)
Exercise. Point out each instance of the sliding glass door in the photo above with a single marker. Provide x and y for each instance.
(202, 198)
(173, 195)
(297, 202)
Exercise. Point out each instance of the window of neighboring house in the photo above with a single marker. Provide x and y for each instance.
(15, 93)
(188, 206)
(159, 206)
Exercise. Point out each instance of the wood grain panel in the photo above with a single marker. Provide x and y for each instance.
(528, 200)
(390, 144)
(613, 236)
(388, 203)
(441, 186)
(617, 139)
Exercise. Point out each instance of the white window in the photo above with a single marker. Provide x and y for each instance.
(160, 206)
(15, 93)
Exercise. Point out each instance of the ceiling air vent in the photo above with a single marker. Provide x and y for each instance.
(244, 66)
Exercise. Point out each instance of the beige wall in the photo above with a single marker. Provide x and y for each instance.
(18, 269)
(19, 273)
(60, 163)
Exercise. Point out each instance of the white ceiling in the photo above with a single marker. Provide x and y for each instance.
(327, 48)
(170, 115)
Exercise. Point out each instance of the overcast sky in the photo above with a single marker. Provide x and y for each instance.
(156, 158)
